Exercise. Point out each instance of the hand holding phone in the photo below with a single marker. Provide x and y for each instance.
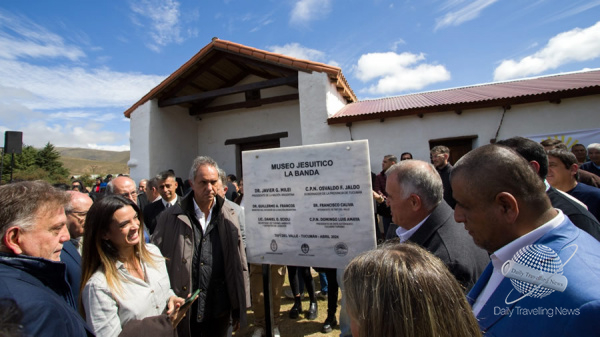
(180, 313)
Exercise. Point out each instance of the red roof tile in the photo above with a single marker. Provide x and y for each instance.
(495, 94)
(334, 73)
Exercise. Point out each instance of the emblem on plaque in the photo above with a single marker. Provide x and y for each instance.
(341, 249)
(273, 245)
(305, 248)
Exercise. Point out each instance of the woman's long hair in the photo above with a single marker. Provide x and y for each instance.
(401, 289)
(100, 254)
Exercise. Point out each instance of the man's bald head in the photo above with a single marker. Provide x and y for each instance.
(492, 169)
(123, 186)
(499, 197)
(76, 211)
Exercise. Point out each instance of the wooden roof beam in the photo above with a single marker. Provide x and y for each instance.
(290, 80)
(194, 111)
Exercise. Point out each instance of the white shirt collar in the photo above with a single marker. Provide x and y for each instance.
(202, 218)
(172, 202)
(404, 234)
(508, 251)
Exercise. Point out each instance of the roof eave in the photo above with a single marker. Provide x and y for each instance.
(335, 73)
(553, 97)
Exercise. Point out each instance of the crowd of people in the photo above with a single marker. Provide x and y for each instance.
(166, 257)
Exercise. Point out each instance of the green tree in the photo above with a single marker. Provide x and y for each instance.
(47, 159)
(32, 164)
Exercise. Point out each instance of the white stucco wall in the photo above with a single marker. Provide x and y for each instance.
(318, 99)
(139, 150)
(306, 123)
(215, 128)
(412, 134)
(169, 141)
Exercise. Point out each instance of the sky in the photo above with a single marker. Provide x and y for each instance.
(70, 68)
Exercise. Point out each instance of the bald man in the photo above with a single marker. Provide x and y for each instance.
(503, 205)
(76, 211)
(415, 196)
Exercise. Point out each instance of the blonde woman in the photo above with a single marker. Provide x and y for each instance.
(123, 280)
(400, 289)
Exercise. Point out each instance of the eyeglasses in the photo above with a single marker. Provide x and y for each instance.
(133, 194)
(78, 215)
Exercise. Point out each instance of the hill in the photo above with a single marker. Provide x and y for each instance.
(96, 155)
(87, 161)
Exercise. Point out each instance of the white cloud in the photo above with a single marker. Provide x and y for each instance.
(574, 10)
(20, 37)
(575, 45)
(86, 135)
(398, 72)
(305, 11)
(298, 51)
(163, 19)
(47, 93)
(460, 12)
(397, 43)
(72, 87)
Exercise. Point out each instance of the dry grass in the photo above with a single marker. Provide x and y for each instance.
(300, 326)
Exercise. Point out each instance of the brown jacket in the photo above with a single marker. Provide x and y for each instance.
(173, 235)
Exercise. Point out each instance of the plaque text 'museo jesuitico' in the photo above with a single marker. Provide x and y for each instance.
(308, 205)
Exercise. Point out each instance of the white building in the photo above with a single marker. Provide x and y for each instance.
(229, 98)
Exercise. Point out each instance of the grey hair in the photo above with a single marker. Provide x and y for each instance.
(223, 176)
(416, 179)
(110, 188)
(201, 161)
(391, 158)
(22, 202)
(594, 146)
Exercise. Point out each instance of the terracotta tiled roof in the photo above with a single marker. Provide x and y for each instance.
(334, 73)
(548, 88)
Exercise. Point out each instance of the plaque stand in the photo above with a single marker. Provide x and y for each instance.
(266, 272)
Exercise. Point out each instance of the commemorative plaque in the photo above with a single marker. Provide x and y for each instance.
(308, 205)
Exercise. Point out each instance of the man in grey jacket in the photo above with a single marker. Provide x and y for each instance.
(201, 240)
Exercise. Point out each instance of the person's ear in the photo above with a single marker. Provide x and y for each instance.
(11, 240)
(574, 168)
(508, 206)
(415, 202)
(225, 188)
(535, 165)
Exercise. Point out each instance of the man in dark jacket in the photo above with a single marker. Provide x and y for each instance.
(201, 239)
(33, 227)
(415, 195)
(535, 154)
(440, 156)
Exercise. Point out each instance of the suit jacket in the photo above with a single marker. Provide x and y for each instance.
(573, 312)
(70, 256)
(580, 216)
(151, 213)
(449, 241)
(142, 201)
